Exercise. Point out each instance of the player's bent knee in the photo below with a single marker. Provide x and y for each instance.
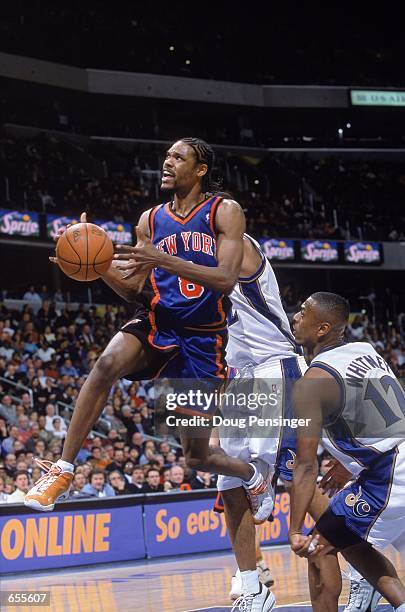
(108, 366)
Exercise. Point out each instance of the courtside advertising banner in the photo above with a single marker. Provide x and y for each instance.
(181, 527)
(362, 252)
(324, 251)
(119, 233)
(13, 223)
(55, 222)
(279, 249)
(63, 539)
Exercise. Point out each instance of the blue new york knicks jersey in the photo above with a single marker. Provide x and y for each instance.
(177, 302)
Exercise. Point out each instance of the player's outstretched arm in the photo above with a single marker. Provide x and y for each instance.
(230, 227)
(127, 288)
(126, 284)
(311, 394)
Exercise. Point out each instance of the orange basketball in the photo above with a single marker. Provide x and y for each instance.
(84, 251)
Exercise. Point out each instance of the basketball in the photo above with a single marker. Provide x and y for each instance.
(84, 251)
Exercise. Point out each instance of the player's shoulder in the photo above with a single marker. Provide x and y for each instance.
(228, 203)
(146, 219)
(317, 385)
(229, 213)
(147, 213)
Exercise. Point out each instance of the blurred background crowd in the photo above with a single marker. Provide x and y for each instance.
(44, 360)
(285, 195)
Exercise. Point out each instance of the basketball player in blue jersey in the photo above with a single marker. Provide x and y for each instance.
(186, 261)
(357, 406)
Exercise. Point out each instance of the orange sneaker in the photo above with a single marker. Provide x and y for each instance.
(53, 486)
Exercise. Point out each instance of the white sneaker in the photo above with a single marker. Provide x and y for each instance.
(362, 597)
(261, 498)
(236, 586)
(52, 487)
(260, 602)
(262, 505)
(265, 576)
(260, 479)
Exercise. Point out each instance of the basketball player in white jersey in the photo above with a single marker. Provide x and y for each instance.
(358, 407)
(260, 340)
(261, 346)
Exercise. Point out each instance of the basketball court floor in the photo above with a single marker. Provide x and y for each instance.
(184, 584)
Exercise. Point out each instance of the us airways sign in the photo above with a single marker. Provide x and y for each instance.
(368, 97)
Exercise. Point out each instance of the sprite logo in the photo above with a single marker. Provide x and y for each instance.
(362, 252)
(120, 233)
(54, 224)
(15, 223)
(318, 250)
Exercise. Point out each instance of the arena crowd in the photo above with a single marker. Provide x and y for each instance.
(284, 195)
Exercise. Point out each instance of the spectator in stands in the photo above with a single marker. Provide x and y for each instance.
(356, 328)
(170, 459)
(3, 430)
(57, 430)
(7, 347)
(24, 428)
(10, 464)
(137, 442)
(40, 449)
(97, 487)
(32, 297)
(96, 459)
(50, 415)
(34, 437)
(118, 462)
(202, 480)
(152, 484)
(164, 448)
(137, 480)
(11, 373)
(119, 483)
(3, 495)
(8, 410)
(68, 369)
(44, 435)
(7, 446)
(149, 452)
(45, 352)
(113, 420)
(26, 402)
(140, 424)
(133, 455)
(22, 484)
(21, 465)
(176, 479)
(79, 480)
(128, 469)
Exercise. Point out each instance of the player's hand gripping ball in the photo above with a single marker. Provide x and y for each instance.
(84, 251)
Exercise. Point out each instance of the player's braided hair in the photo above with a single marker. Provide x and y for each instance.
(205, 155)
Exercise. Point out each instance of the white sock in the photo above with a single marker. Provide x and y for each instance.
(401, 608)
(250, 582)
(354, 574)
(65, 465)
